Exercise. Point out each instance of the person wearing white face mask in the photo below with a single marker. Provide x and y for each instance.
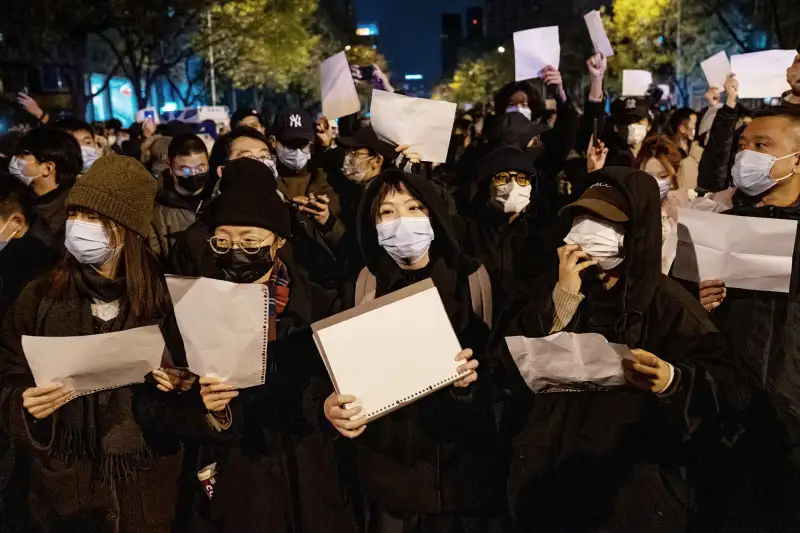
(305, 184)
(85, 135)
(416, 466)
(47, 162)
(90, 460)
(508, 220)
(631, 121)
(763, 331)
(608, 282)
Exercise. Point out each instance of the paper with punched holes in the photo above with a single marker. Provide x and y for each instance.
(224, 328)
(391, 351)
(339, 96)
(572, 360)
(90, 363)
(744, 252)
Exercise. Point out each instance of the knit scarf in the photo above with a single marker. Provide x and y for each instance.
(278, 287)
(99, 426)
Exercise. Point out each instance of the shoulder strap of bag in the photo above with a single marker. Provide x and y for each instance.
(366, 287)
(480, 290)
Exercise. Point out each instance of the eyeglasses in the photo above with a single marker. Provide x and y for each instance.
(186, 172)
(504, 178)
(249, 245)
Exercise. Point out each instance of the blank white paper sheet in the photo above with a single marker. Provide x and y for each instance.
(391, 351)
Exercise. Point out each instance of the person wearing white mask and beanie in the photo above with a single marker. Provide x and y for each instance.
(420, 465)
(618, 447)
(763, 329)
(91, 462)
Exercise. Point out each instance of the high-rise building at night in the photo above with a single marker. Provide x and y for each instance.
(452, 39)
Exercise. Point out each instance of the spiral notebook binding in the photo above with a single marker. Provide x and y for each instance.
(265, 334)
(427, 390)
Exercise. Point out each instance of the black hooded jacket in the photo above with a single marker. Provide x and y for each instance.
(439, 454)
(618, 454)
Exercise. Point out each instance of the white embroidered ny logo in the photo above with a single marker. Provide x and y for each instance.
(630, 103)
(295, 121)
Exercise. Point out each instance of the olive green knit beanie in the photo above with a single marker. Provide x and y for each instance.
(119, 188)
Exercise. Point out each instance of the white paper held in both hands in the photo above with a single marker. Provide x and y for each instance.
(391, 351)
(534, 49)
(339, 96)
(716, 69)
(744, 252)
(569, 360)
(91, 363)
(597, 32)
(762, 74)
(424, 125)
(636, 82)
(224, 328)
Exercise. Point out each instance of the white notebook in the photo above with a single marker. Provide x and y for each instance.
(391, 351)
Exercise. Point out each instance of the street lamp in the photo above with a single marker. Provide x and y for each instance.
(501, 49)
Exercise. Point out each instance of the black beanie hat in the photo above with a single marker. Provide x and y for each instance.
(249, 197)
(506, 158)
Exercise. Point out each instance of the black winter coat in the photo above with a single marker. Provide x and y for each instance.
(440, 454)
(715, 165)
(614, 461)
(278, 470)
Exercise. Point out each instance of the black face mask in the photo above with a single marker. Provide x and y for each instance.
(240, 267)
(194, 182)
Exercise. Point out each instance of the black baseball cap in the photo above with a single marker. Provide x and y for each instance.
(243, 113)
(630, 109)
(294, 124)
(603, 200)
(367, 138)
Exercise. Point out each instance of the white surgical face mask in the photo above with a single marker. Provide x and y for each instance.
(269, 162)
(90, 154)
(406, 239)
(636, 134)
(526, 111)
(751, 172)
(16, 167)
(88, 242)
(602, 240)
(664, 186)
(356, 170)
(512, 196)
(294, 159)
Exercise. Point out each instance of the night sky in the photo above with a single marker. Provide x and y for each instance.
(410, 32)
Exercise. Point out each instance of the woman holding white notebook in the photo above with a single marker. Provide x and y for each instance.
(434, 466)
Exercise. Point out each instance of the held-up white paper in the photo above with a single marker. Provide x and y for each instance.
(744, 252)
(424, 125)
(91, 363)
(569, 360)
(762, 74)
(716, 69)
(597, 32)
(535, 49)
(224, 328)
(391, 351)
(636, 82)
(339, 96)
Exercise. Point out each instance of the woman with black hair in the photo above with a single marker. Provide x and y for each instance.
(435, 466)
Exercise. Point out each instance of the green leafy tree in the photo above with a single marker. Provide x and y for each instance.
(261, 43)
(478, 79)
